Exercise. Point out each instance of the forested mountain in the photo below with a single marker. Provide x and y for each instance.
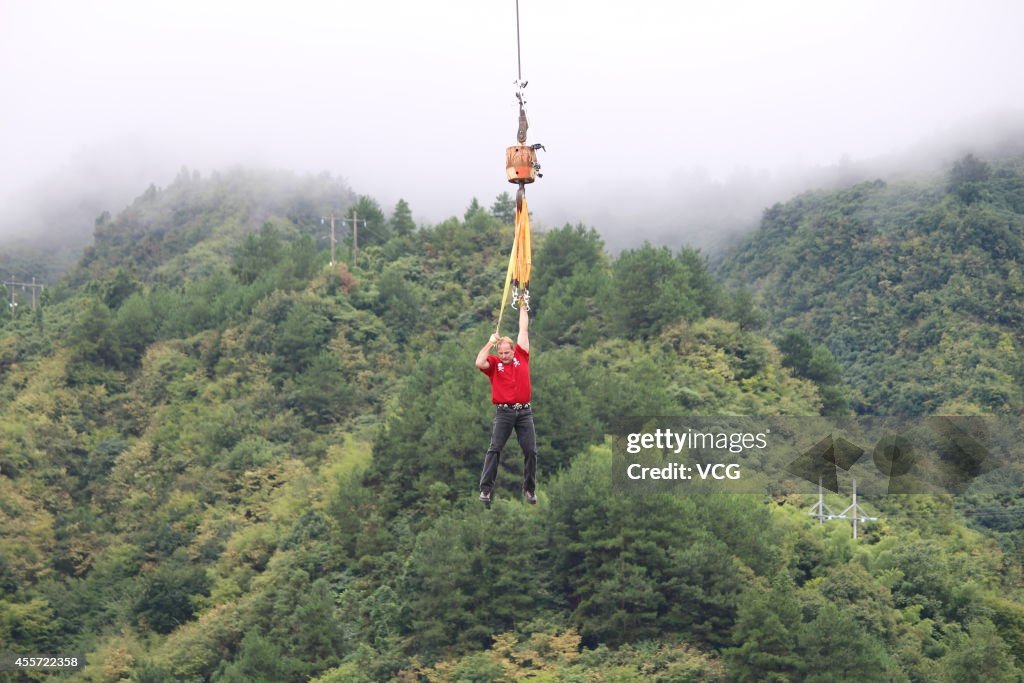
(916, 288)
(224, 459)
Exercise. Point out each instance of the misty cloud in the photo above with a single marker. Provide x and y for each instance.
(654, 115)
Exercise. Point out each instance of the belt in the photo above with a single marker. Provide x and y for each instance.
(513, 406)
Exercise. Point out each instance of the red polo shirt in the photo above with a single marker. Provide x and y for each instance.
(510, 382)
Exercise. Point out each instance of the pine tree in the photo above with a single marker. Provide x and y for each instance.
(834, 647)
(401, 219)
(765, 634)
(504, 209)
(473, 209)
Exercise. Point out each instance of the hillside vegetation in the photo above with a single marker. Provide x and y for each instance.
(224, 459)
(917, 289)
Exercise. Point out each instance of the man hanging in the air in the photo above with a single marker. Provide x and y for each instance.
(509, 372)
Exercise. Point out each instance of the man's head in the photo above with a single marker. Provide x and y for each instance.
(505, 349)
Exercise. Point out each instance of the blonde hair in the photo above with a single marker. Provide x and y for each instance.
(505, 340)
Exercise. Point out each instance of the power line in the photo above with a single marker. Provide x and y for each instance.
(354, 222)
(33, 286)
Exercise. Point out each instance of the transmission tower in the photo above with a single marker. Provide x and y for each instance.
(854, 512)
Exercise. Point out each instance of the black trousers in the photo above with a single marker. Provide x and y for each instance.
(505, 420)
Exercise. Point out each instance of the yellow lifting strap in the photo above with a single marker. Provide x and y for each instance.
(519, 262)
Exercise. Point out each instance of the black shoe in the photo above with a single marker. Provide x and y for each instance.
(531, 497)
(485, 496)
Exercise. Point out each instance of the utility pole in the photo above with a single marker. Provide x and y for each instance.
(33, 286)
(14, 304)
(333, 239)
(354, 221)
(820, 510)
(853, 513)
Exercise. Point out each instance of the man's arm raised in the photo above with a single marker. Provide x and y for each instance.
(524, 323)
(481, 358)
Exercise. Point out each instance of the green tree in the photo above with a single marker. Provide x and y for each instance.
(767, 623)
(302, 260)
(796, 352)
(573, 309)
(258, 254)
(28, 625)
(93, 337)
(420, 445)
(622, 603)
(147, 671)
(400, 302)
(623, 379)
(401, 219)
(741, 308)
(117, 290)
(925, 579)
(636, 567)
(849, 587)
(308, 625)
(703, 587)
(967, 178)
(168, 598)
(564, 252)
(654, 290)
(504, 208)
(135, 328)
(321, 395)
(706, 289)
(473, 209)
(565, 431)
(375, 229)
(980, 656)
(260, 660)
(816, 363)
(299, 339)
(572, 287)
(483, 570)
(834, 647)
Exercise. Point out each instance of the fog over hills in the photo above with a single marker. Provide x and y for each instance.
(689, 207)
(672, 122)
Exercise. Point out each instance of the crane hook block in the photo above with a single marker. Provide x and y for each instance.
(521, 164)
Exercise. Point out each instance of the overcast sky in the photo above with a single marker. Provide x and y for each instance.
(414, 99)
